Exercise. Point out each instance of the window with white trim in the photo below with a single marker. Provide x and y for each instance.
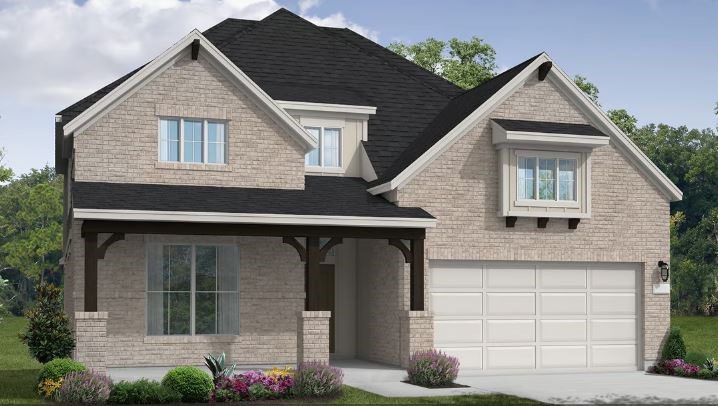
(329, 152)
(192, 289)
(546, 178)
(193, 141)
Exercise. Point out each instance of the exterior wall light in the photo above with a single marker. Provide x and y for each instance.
(664, 271)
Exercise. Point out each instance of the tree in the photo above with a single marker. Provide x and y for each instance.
(465, 63)
(589, 88)
(626, 122)
(48, 334)
(31, 222)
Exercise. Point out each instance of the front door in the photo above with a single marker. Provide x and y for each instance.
(326, 297)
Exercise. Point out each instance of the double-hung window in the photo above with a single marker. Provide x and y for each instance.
(328, 153)
(542, 177)
(192, 289)
(193, 141)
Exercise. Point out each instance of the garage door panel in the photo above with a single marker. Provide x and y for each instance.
(510, 276)
(510, 331)
(556, 277)
(563, 303)
(613, 303)
(498, 304)
(564, 356)
(457, 332)
(511, 357)
(613, 330)
(470, 358)
(563, 330)
(457, 304)
(464, 276)
(613, 355)
(613, 278)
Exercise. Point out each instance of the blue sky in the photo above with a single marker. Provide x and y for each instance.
(658, 58)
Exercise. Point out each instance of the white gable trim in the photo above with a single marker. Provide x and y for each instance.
(558, 77)
(167, 59)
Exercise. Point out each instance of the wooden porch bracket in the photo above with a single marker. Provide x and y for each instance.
(416, 276)
(326, 247)
(395, 242)
(298, 246)
(93, 253)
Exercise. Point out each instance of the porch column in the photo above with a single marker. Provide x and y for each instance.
(417, 334)
(94, 253)
(91, 340)
(312, 275)
(416, 277)
(313, 336)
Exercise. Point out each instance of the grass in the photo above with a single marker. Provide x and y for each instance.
(18, 370)
(354, 396)
(699, 333)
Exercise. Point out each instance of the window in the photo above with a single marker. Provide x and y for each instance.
(328, 154)
(192, 289)
(546, 178)
(193, 141)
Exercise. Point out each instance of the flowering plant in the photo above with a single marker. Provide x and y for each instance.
(85, 387)
(677, 367)
(317, 379)
(432, 368)
(48, 387)
(254, 385)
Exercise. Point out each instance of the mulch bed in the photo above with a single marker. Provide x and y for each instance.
(452, 385)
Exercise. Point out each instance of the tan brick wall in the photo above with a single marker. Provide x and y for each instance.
(313, 336)
(271, 294)
(417, 333)
(122, 146)
(629, 220)
(90, 329)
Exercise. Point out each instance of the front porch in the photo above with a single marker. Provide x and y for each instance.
(371, 308)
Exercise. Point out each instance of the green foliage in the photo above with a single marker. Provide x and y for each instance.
(193, 384)
(48, 334)
(696, 358)
(675, 347)
(316, 379)
(706, 374)
(31, 222)
(216, 366)
(467, 64)
(626, 122)
(58, 368)
(142, 392)
(4, 288)
(589, 88)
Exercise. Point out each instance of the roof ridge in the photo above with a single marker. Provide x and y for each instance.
(234, 35)
(504, 73)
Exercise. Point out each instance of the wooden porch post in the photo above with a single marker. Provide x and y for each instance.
(416, 277)
(311, 275)
(90, 272)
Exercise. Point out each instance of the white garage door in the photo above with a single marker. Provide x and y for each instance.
(518, 317)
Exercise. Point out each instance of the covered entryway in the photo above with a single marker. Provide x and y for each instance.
(519, 317)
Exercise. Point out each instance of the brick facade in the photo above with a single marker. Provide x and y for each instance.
(629, 220)
(417, 333)
(313, 336)
(91, 345)
(122, 146)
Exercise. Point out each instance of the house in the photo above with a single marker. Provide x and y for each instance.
(285, 192)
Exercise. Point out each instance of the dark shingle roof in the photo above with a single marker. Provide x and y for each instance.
(323, 195)
(548, 127)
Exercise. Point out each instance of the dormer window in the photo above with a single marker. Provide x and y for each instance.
(193, 141)
(546, 177)
(328, 154)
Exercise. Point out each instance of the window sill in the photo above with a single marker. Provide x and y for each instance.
(194, 167)
(320, 170)
(547, 203)
(190, 339)
(549, 214)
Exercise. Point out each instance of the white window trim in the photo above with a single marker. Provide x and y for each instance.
(548, 155)
(193, 290)
(205, 140)
(320, 147)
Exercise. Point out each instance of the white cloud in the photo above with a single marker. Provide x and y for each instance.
(338, 20)
(306, 5)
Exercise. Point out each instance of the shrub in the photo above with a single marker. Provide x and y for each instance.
(48, 388)
(706, 374)
(85, 387)
(676, 367)
(142, 392)
(696, 358)
(675, 347)
(48, 334)
(432, 368)
(193, 384)
(316, 379)
(58, 368)
(254, 385)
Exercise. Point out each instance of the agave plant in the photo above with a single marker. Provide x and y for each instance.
(217, 368)
(710, 364)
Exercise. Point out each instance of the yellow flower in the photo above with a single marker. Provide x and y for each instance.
(279, 372)
(48, 387)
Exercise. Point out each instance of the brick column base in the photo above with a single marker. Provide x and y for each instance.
(417, 333)
(91, 340)
(313, 336)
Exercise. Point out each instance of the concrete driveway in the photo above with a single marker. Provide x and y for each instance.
(615, 387)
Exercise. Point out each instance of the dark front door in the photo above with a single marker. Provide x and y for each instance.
(326, 297)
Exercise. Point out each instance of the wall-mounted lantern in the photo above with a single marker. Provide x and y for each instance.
(664, 271)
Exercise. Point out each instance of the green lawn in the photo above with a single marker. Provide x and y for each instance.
(354, 396)
(18, 370)
(699, 333)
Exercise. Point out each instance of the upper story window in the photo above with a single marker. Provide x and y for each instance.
(556, 180)
(193, 141)
(329, 152)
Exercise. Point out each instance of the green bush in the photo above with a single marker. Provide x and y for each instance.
(58, 368)
(48, 334)
(696, 358)
(706, 374)
(193, 384)
(142, 392)
(675, 347)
